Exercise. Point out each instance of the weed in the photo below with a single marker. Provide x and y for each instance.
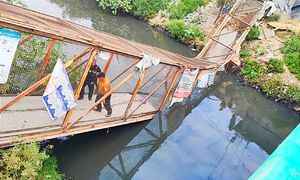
(253, 34)
(276, 65)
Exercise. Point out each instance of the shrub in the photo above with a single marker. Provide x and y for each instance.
(26, 161)
(184, 7)
(274, 88)
(292, 60)
(146, 8)
(116, 5)
(294, 93)
(244, 53)
(252, 70)
(178, 29)
(253, 34)
(292, 45)
(276, 65)
(274, 17)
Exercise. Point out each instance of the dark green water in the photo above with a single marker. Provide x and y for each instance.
(225, 134)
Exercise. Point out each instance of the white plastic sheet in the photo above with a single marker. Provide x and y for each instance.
(147, 61)
(9, 41)
(59, 95)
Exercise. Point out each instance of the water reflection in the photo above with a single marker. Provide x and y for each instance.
(232, 129)
(88, 14)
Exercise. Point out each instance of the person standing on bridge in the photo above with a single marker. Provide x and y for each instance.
(91, 80)
(103, 88)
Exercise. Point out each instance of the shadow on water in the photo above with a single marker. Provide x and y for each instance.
(227, 129)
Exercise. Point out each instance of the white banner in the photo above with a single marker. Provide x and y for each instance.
(185, 86)
(59, 95)
(9, 41)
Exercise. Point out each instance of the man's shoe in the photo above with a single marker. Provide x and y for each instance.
(107, 115)
(90, 98)
(96, 109)
(80, 98)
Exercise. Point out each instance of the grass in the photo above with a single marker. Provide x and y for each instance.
(253, 34)
(291, 50)
(178, 29)
(276, 65)
(274, 88)
(184, 7)
(252, 70)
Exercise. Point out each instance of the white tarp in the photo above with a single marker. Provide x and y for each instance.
(267, 10)
(206, 78)
(203, 79)
(59, 95)
(9, 41)
(147, 61)
(104, 55)
(185, 86)
(211, 77)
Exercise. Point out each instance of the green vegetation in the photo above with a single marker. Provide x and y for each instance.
(140, 8)
(274, 17)
(27, 161)
(146, 8)
(276, 65)
(184, 7)
(252, 70)
(291, 52)
(274, 88)
(244, 54)
(294, 93)
(221, 2)
(116, 5)
(253, 34)
(178, 29)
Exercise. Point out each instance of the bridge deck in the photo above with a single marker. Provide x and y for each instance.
(26, 116)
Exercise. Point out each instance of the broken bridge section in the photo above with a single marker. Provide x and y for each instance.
(137, 94)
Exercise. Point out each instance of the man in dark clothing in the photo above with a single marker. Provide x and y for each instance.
(91, 80)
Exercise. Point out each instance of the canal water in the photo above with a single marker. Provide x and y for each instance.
(225, 132)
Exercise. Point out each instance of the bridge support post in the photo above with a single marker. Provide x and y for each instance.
(149, 95)
(170, 89)
(108, 63)
(46, 59)
(158, 72)
(133, 64)
(80, 85)
(136, 90)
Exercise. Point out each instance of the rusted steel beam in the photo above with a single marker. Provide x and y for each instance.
(236, 18)
(28, 38)
(136, 90)
(179, 70)
(42, 81)
(217, 41)
(158, 72)
(103, 98)
(154, 91)
(80, 85)
(108, 63)
(231, 32)
(133, 64)
(46, 59)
